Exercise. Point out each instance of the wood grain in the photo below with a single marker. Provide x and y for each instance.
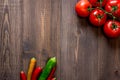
(46, 28)
(10, 39)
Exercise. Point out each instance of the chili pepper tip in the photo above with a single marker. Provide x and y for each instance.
(33, 58)
(53, 59)
(22, 71)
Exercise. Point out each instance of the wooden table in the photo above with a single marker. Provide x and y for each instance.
(46, 28)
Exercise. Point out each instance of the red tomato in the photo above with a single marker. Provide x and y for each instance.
(112, 29)
(97, 17)
(82, 8)
(113, 6)
(96, 3)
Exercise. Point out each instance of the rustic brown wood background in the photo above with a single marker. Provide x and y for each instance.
(46, 28)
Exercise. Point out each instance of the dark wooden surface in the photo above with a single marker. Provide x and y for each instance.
(46, 28)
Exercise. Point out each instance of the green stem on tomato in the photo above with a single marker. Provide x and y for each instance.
(114, 8)
(109, 13)
(90, 9)
(100, 3)
(114, 26)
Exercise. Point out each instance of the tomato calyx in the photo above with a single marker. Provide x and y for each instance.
(100, 0)
(114, 26)
(114, 8)
(89, 8)
(99, 16)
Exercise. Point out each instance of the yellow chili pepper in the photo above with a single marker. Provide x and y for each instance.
(31, 68)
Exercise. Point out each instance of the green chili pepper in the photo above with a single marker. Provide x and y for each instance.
(47, 69)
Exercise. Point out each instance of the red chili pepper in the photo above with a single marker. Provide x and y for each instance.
(23, 75)
(51, 74)
(53, 79)
(36, 73)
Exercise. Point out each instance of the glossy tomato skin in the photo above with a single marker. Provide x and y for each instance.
(112, 29)
(82, 8)
(96, 3)
(97, 17)
(113, 6)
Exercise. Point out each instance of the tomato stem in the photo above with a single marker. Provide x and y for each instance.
(100, 3)
(109, 13)
(90, 9)
(113, 8)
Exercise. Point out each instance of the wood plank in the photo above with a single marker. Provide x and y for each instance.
(40, 30)
(55, 33)
(36, 23)
(10, 39)
(46, 28)
(95, 52)
(108, 51)
(78, 45)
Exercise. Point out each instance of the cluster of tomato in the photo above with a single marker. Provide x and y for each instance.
(101, 13)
